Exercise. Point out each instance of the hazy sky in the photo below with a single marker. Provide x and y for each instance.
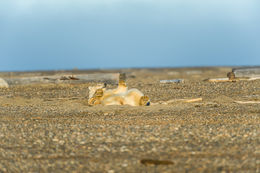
(67, 34)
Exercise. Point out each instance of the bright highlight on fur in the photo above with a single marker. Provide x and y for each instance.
(119, 96)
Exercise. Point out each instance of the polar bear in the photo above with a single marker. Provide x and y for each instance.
(99, 95)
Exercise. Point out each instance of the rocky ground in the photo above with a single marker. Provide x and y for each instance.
(51, 128)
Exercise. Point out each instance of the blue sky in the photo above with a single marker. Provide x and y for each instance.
(84, 34)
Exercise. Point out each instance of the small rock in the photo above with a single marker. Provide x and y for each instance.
(124, 164)
(3, 83)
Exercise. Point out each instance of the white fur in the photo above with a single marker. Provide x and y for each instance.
(118, 96)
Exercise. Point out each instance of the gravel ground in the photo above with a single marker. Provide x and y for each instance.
(51, 128)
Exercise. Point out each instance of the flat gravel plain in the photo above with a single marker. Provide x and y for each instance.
(51, 128)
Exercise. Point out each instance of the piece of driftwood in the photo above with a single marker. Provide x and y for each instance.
(232, 80)
(172, 81)
(218, 80)
(247, 71)
(248, 102)
(191, 100)
(177, 100)
(81, 78)
(254, 78)
(184, 100)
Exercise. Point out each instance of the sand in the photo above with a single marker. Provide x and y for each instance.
(51, 128)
